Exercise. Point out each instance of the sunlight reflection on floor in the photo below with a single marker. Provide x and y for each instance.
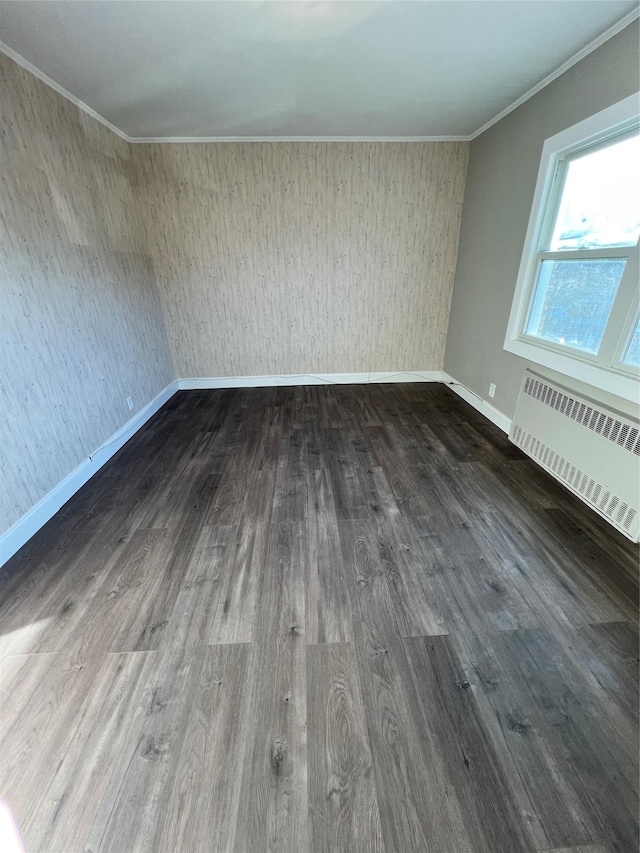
(10, 840)
(22, 640)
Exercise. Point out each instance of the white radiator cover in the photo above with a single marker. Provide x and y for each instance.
(593, 450)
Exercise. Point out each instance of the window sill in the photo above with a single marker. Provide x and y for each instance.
(613, 381)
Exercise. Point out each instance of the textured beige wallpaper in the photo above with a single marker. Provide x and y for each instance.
(257, 259)
(303, 257)
(81, 321)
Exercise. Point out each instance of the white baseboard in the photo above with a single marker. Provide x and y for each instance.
(205, 382)
(486, 409)
(15, 537)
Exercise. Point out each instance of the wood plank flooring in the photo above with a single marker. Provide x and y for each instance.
(324, 618)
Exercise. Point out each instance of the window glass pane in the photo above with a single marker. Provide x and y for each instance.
(600, 204)
(572, 301)
(632, 355)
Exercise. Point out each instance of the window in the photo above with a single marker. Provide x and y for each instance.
(576, 307)
(632, 355)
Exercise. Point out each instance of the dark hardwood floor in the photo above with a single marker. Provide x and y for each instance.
(330, 618)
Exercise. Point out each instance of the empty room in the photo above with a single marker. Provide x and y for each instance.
(319, 426)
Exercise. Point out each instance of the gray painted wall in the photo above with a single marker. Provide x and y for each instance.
(501, 179)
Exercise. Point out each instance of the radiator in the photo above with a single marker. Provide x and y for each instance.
(594, 451)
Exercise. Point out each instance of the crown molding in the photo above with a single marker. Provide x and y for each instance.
(32, 69)
(178, 139)
(585, 51)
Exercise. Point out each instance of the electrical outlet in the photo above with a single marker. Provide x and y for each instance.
(492, 390)
(130, 403)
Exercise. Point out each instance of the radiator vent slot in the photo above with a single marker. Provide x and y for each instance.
(600, 422)
(598, 495)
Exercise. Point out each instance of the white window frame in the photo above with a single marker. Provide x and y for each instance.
(606, 370)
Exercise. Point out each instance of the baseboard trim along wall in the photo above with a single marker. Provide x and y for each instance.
(16, 536)
(486, 409)
(19, 533)
(201, 382)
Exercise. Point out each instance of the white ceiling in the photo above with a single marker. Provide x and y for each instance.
(223, 68)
